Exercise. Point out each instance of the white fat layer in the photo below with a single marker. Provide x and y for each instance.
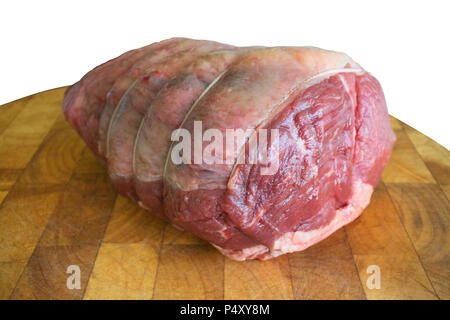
(207, 89)
(114, 115)
(244, 254)
(160, 176)
(347, 89)
(141, 125)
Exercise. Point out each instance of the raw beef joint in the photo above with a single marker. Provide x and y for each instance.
(306, 137)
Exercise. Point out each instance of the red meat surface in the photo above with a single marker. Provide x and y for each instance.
(332, 131)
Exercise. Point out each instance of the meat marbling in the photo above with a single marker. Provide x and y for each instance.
(330, 116)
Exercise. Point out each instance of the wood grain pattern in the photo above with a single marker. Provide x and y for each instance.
(25, 132)
(23, 217)
(258, 279)
(379, 238)
(74, 232)
(189, 272)
(126, 264)
(10, 111)
(435, 156)
(326, 271)
(423, 208)
(123, 271)
(45, 275)
(57, 208)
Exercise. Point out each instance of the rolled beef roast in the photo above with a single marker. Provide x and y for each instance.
(327, 139)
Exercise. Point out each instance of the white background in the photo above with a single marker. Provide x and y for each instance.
(405, 44)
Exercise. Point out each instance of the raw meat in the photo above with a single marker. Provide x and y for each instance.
(166, 114)
(84, 101)
(125, 122)
(326, 114)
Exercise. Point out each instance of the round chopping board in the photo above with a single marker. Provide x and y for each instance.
(58, 209)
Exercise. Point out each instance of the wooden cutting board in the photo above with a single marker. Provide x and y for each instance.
(58, 209)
